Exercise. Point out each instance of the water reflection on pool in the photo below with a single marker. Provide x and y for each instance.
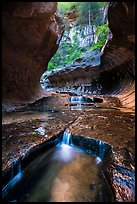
(63, 174)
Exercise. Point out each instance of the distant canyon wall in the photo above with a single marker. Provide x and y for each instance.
(115, 75)
(31, 32)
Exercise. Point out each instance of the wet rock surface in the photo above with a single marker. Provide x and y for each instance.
(114, 72)
(32, 125)
(111, 121)
(88, 59)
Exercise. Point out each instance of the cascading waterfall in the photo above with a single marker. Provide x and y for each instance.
(81, 99)
(77, 99)
(13, 180)
(101, 149)
(16, 171)
(66, 137)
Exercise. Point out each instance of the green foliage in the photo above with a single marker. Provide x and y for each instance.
(33, 133)
(97, 46)
(66, 7)
(103, 4)
(89, 13)
(71, 52)
(66, 54)
(51, 65)
(102, 33)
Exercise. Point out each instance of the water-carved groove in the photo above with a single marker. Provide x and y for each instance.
(90, 146)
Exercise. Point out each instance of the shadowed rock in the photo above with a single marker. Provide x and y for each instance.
(115, 74)
(31, 34)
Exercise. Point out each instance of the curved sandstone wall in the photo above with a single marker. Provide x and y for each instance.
(115, 75)
(118, 55)
(31, 32)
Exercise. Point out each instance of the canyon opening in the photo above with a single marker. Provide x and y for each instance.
(68, 101)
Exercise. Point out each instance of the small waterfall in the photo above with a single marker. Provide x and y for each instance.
(66, 137)
(81, 99)
(101, 149)
(14, 179)
(16, 170)
(19, 168)
(18, 175)
(77, 99)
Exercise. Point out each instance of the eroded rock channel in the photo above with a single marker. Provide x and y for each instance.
(94, 103)
(59, 169)
(47, 118)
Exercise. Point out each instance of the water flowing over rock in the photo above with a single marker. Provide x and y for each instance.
(116, 75)
(66, 137)
(31, 34)
(28, 51)
(15, 177)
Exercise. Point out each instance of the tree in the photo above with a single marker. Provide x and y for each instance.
(89, 24)
(66, 7)
(89, 14)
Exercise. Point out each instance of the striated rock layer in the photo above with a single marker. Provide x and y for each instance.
(30, 127)
(43, 120)
(118, 57)
(115, 75)
(31, 32)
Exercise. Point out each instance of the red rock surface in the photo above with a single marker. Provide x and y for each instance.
(52, 115)
(22, 53)
(116, 73)
(31, 32)
(120, 49)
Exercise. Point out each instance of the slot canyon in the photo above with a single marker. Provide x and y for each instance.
(94, 103)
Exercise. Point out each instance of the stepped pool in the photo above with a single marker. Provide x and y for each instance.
(64, 173)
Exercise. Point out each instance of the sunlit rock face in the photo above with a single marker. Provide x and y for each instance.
(31, 34)
(114, 74)
(78, 75)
